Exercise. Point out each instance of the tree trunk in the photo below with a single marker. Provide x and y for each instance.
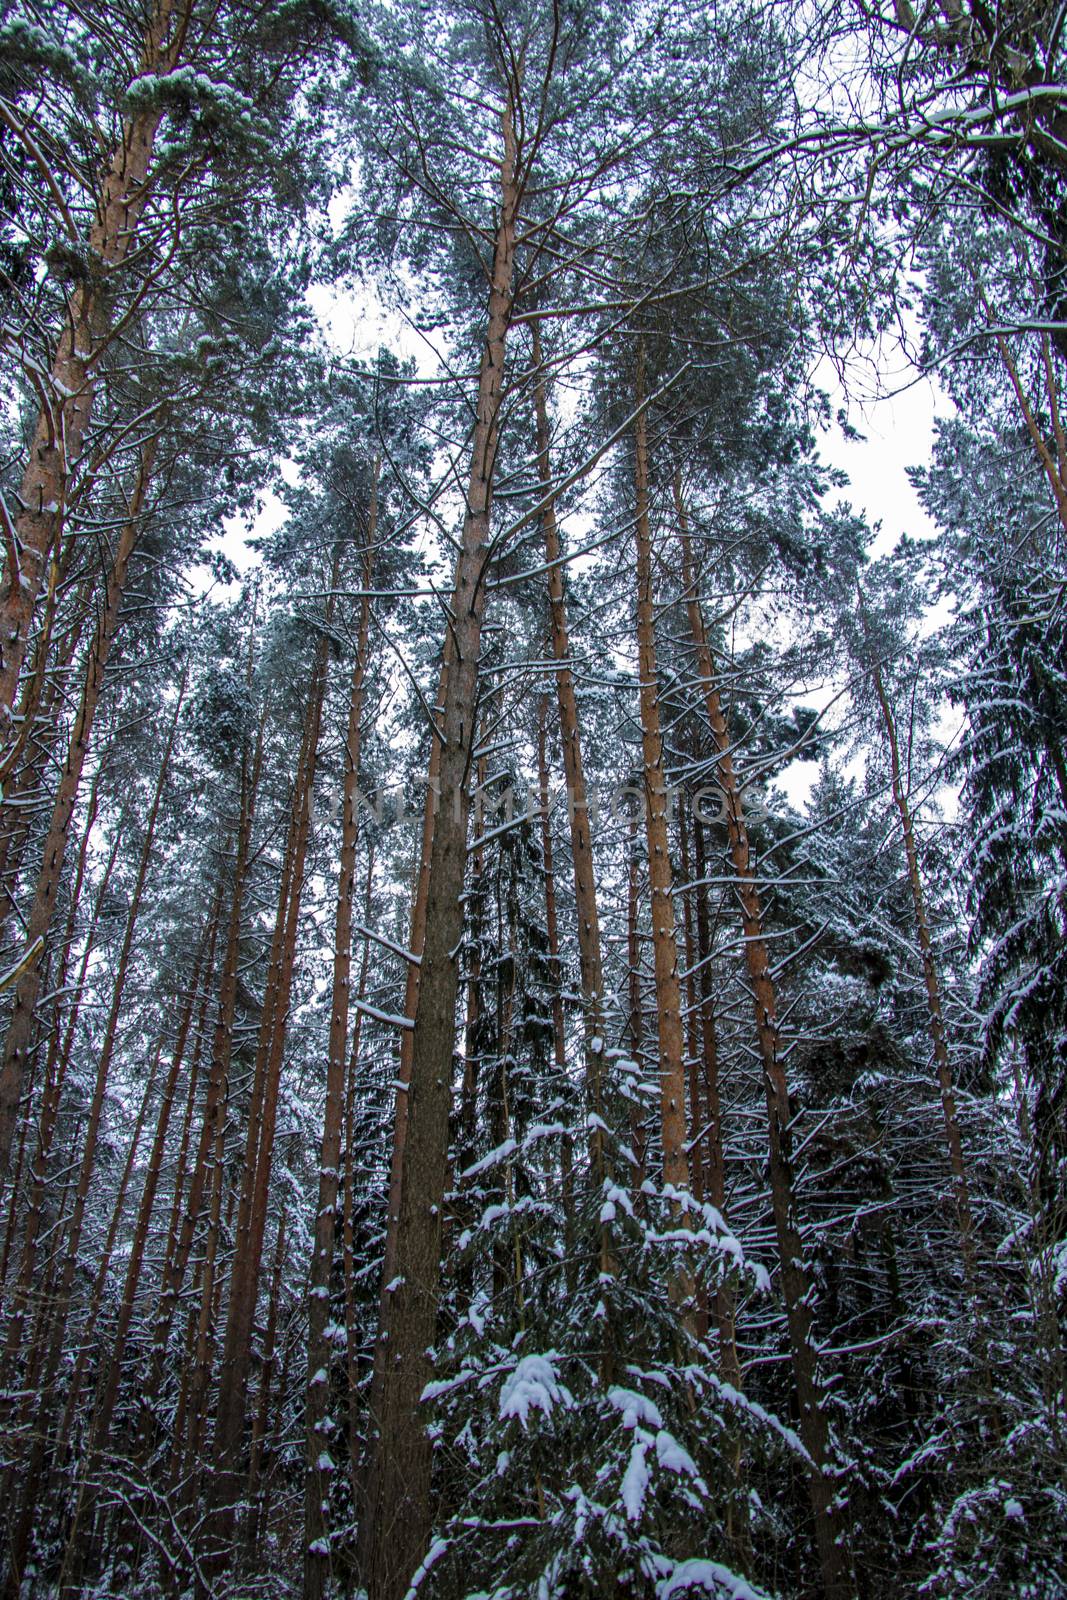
(661, 884)
(697, 1119)
(107, 1049)
(935, 1013)
(411, 983)
(109, 1389)
(272, 1452)
(50, 1086)
(87, 1334)
(559, 1034)
(255, 1184)
(351, 1335)
(397, 1514)
(635, 1025)
(589, 957)
(468, 1100)
(32, 749)
(262, 1416)
(67, 403)
(213, 1126)
(20, 1026)
(319, 1428)
(715, 1164)
(59, 1058)
(61, 1305)
(834, 1559)
(190, 1466)
(737, 1512)
(181, 1168)
(77, 1547)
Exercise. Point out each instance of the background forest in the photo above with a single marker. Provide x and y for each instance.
(533, 1015)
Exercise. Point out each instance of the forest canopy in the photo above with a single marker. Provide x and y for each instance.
(533, 912)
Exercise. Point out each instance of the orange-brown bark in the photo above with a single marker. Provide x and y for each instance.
(20, 1026)
(396, 1516)
(795, 1279)
(255, 1177)
(559, 1034)
(67, 398)
(589, 955)
(316, 1563)
(670, 1037)
(44, 1401)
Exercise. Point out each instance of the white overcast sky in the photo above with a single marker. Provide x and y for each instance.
(898, 429)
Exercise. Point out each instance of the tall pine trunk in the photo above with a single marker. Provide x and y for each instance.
(715, 1160)
(217, 1094)
(559, 1033)
(935, 1018)
(20, 1026)
(62, 1300)
(255, 1177)
(795, 1278)
(397, 1514)
(67, 397)
(256, 1497)
(411, 981)
(320, 1459)
(113, 1370)
(33, 749)
(56, 1060)
(671, 1040)
(589, 956)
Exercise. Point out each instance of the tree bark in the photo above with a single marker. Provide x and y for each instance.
(59, 1058)
(262, 1416)
(29, 758)
(255, 1177)
(589, 956)
(635, 1016)
(20, 1026)
(697, 1116)
(559, 1032)
(109, 1389)
(468, 1100)
(77, 1546)
(67, 403)
(661, 882)
(397, 1514)
(351, 1332)
(181, 1169)
(411, 982)
(87, 1334)
(934, 1009)
(213, 1126)
(320, 1461)
(715, 1164)
(62, 1300)
(835, 1564)
(51, 1088)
